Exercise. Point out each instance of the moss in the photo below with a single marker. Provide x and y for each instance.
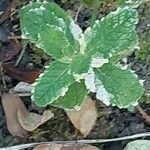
(144, 32)
(144, 52)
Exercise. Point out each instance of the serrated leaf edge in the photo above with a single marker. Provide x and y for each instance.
(62, 91)
(65, 58)
(81, 40)
(98, 22)
(78, 35)
(95, 85)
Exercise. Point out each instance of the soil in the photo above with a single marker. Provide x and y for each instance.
(112, 122)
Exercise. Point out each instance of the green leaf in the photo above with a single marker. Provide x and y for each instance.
(53, 84)
(114, 35)
(121, 1)
(138, 145)
(48, 26)
(117, 86)
(74, 96)
(130, 3)
(80, 64)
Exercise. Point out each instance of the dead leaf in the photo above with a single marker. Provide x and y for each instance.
(54, 146)
(21, 75)
(11, 103)
(30, 121)
(11, 50)
(84, 119)
(22, 87)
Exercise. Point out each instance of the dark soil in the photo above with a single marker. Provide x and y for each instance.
(112, 122)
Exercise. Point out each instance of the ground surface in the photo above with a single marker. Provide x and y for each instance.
(111, 121)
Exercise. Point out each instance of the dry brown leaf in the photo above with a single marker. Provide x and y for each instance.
(30, 121)
(11, 103)
(84, 119)
(20, 74)
(54, 146)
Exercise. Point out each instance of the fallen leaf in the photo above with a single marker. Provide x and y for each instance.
(84, 119)
(22, 87)
(54, 146)
(11, 104)
(21, 75)
(30, 121)
(11, 50)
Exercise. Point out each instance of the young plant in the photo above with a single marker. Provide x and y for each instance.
(86, 61)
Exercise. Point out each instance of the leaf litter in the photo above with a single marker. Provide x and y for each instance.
(18, 119)
(20, 74)
(11, 104)
(11, 50)
(85, 117)
(54, 146)
(30, 121)
(22, 88)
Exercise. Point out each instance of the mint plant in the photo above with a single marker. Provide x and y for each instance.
(84, 61)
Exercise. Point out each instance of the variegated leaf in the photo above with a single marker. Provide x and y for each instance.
(114, 35)
(115, 85)
(52, 84)
(48, 26)
(74, 96)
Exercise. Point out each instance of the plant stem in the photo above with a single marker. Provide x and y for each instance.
(77, 14)
(21, 53)
(143, 113)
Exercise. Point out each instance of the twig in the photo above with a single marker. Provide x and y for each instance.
(23, 146)
(2, 76)
(14, 37)
(21, 54)
(7, 12)
(143, 113)
(77, 14)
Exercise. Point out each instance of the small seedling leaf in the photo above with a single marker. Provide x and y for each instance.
(138, 145)
(117, 86)
(80, 64)
(114, 35)
(73, 97)
(53, 84)
(48, 26)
